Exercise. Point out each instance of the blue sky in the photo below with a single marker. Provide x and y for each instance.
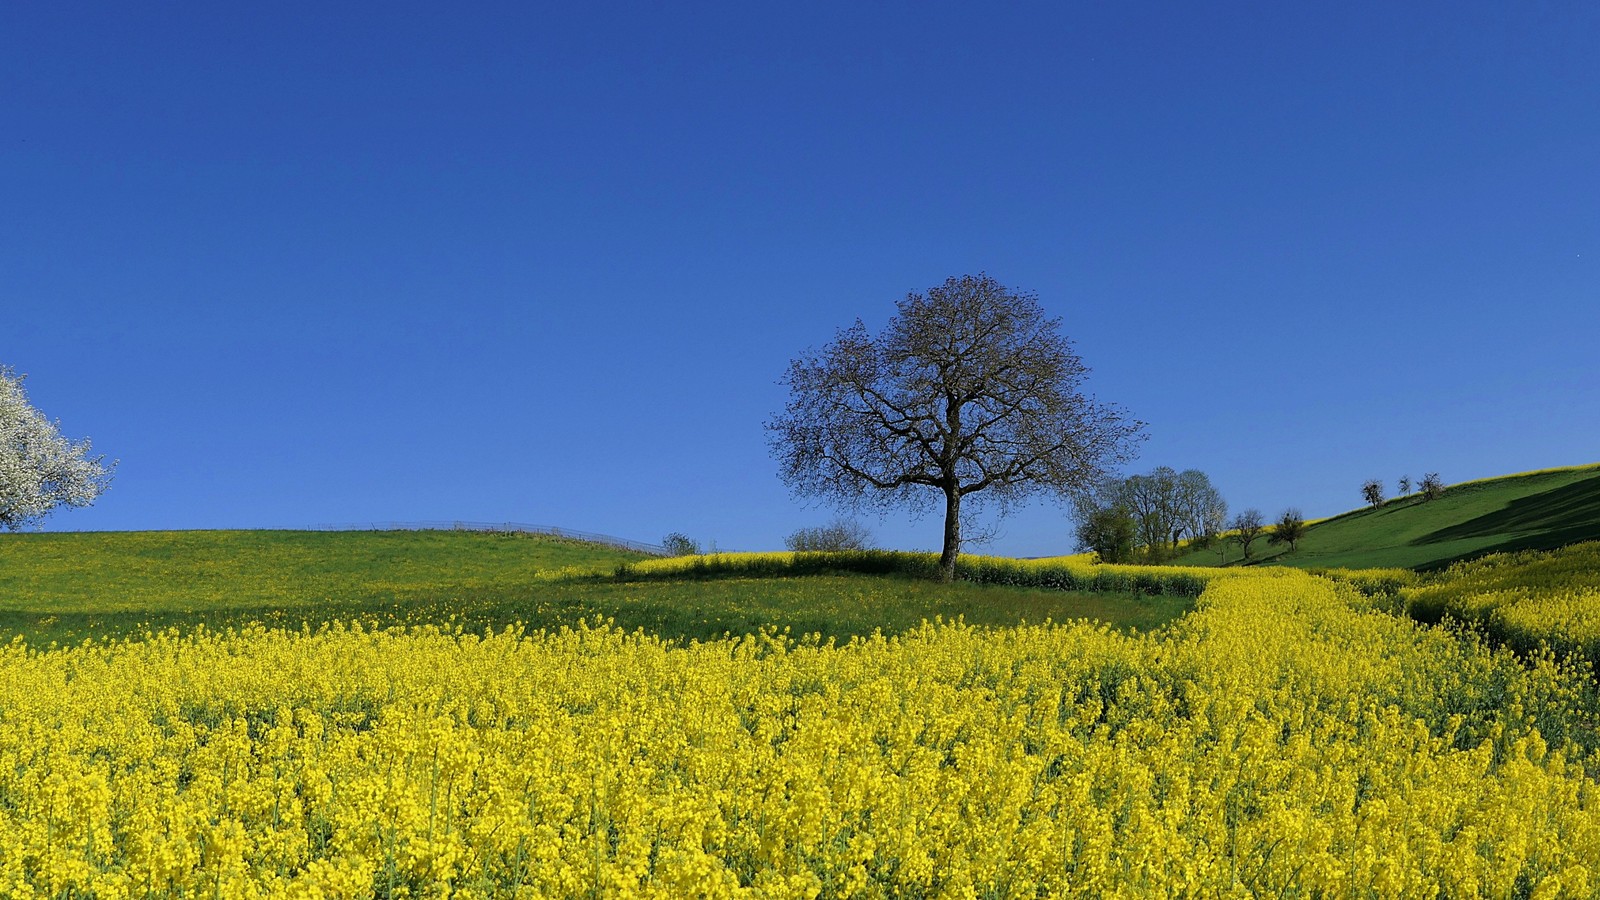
(310, 263)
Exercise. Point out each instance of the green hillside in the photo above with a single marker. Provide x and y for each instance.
(117, 571)
(70, 586)
(1531, 511)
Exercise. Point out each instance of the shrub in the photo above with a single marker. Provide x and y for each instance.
(679, 544)
(1110, 532)
(1059, 574)
(838, 535)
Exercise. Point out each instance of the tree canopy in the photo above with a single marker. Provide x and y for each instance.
(1291, 527)
(39, 469)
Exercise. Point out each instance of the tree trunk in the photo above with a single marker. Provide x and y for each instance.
(952, 534)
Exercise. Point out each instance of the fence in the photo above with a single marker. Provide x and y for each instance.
(500, 527)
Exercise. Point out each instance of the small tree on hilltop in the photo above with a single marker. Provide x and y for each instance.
(1372, 492)
(969, 393)
(1247, 528)
(1431, 486)
(1405, 485)
(679, 544)
(1290, 528)
(39, 469)
(836, 536)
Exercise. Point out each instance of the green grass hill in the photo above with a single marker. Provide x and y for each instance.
(116, 580)
(69, 586)
(1531, 511)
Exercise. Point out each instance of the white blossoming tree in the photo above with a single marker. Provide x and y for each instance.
(39, 469)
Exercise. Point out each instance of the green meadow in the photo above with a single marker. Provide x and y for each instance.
(66, 587)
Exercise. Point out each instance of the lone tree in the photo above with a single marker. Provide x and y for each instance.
(1247, 528)
(677, 543)
(1290, 529)
(970, 391)
(39, 469)
(1372, 492)
(1431, 486)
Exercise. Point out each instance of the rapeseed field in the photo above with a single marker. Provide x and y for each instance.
(1528, 600)
(1287, 738)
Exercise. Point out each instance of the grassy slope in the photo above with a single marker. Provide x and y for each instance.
(66, 587)
(1533, 511)
(204, 571)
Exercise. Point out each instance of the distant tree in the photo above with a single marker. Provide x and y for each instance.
(1165, 507)
(1291, 526)
(1372, 492)
(1430, 486)
(1247, 527)
(679, 544)
(39, 469)
(1152, 500)
(840, 534)
(970, 393)
(1405, 485)
(1108, 531)
(1201, 509)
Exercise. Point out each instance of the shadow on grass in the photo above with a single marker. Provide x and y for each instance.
(833, 606)
(1544, 521)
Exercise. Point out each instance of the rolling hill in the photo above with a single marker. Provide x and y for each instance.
(1529, 511)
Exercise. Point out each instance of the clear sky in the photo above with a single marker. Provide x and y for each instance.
(314, 263)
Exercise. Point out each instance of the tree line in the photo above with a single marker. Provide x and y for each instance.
(1147, 517)
(1430, 487)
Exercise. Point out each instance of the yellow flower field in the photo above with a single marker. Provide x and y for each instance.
(1528, 600)
(1282, 740)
